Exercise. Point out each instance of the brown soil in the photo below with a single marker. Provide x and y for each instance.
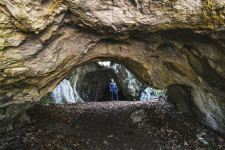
(108, 126)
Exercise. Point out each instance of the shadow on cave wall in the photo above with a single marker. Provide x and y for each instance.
(90, 83)
(94, 86)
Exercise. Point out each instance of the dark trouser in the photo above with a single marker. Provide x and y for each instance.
(114, 91)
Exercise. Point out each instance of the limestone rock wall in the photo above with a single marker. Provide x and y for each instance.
(14, 116)
(180, 96)
(91, 83)
(132, 87)
(129, 82)
(161, 42)
(199, 102)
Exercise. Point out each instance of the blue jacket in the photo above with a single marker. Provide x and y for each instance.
(113, 86)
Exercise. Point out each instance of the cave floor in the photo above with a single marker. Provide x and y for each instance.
(109, 126)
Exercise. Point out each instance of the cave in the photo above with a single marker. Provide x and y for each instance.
(90, 83)
(178, 45)
(94, 86)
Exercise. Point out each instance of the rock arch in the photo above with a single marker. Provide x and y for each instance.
(39, 48)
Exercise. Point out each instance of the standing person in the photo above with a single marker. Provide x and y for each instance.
(113, 89)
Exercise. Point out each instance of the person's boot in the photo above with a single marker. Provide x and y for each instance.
(117, 98)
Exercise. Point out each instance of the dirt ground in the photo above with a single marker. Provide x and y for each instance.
(118, 125)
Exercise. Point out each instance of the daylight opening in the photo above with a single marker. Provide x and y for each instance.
(91, 83)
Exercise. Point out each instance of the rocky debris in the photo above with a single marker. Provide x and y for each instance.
(132, 87)
(138, 116)
(107, 125)
(201, 139)
(162, 42)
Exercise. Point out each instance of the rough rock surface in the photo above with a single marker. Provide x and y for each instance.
(146, 125)
(94, 85)
(180, 96)
(132, 87)
(129, 82)
(162, 42)
(90, 82)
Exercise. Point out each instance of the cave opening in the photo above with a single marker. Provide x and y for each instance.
(51, 50)
(91, 83)
(94, 86)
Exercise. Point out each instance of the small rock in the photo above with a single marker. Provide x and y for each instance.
(28, 134)
(60, 136)
(199, 135)
(138, 116)
(106, 143)
(185, 143)
(203, 141)
(220, 139)
(203, 133)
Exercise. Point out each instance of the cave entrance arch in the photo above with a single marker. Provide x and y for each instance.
(90, 83)
(158, 59)
(94, 85)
